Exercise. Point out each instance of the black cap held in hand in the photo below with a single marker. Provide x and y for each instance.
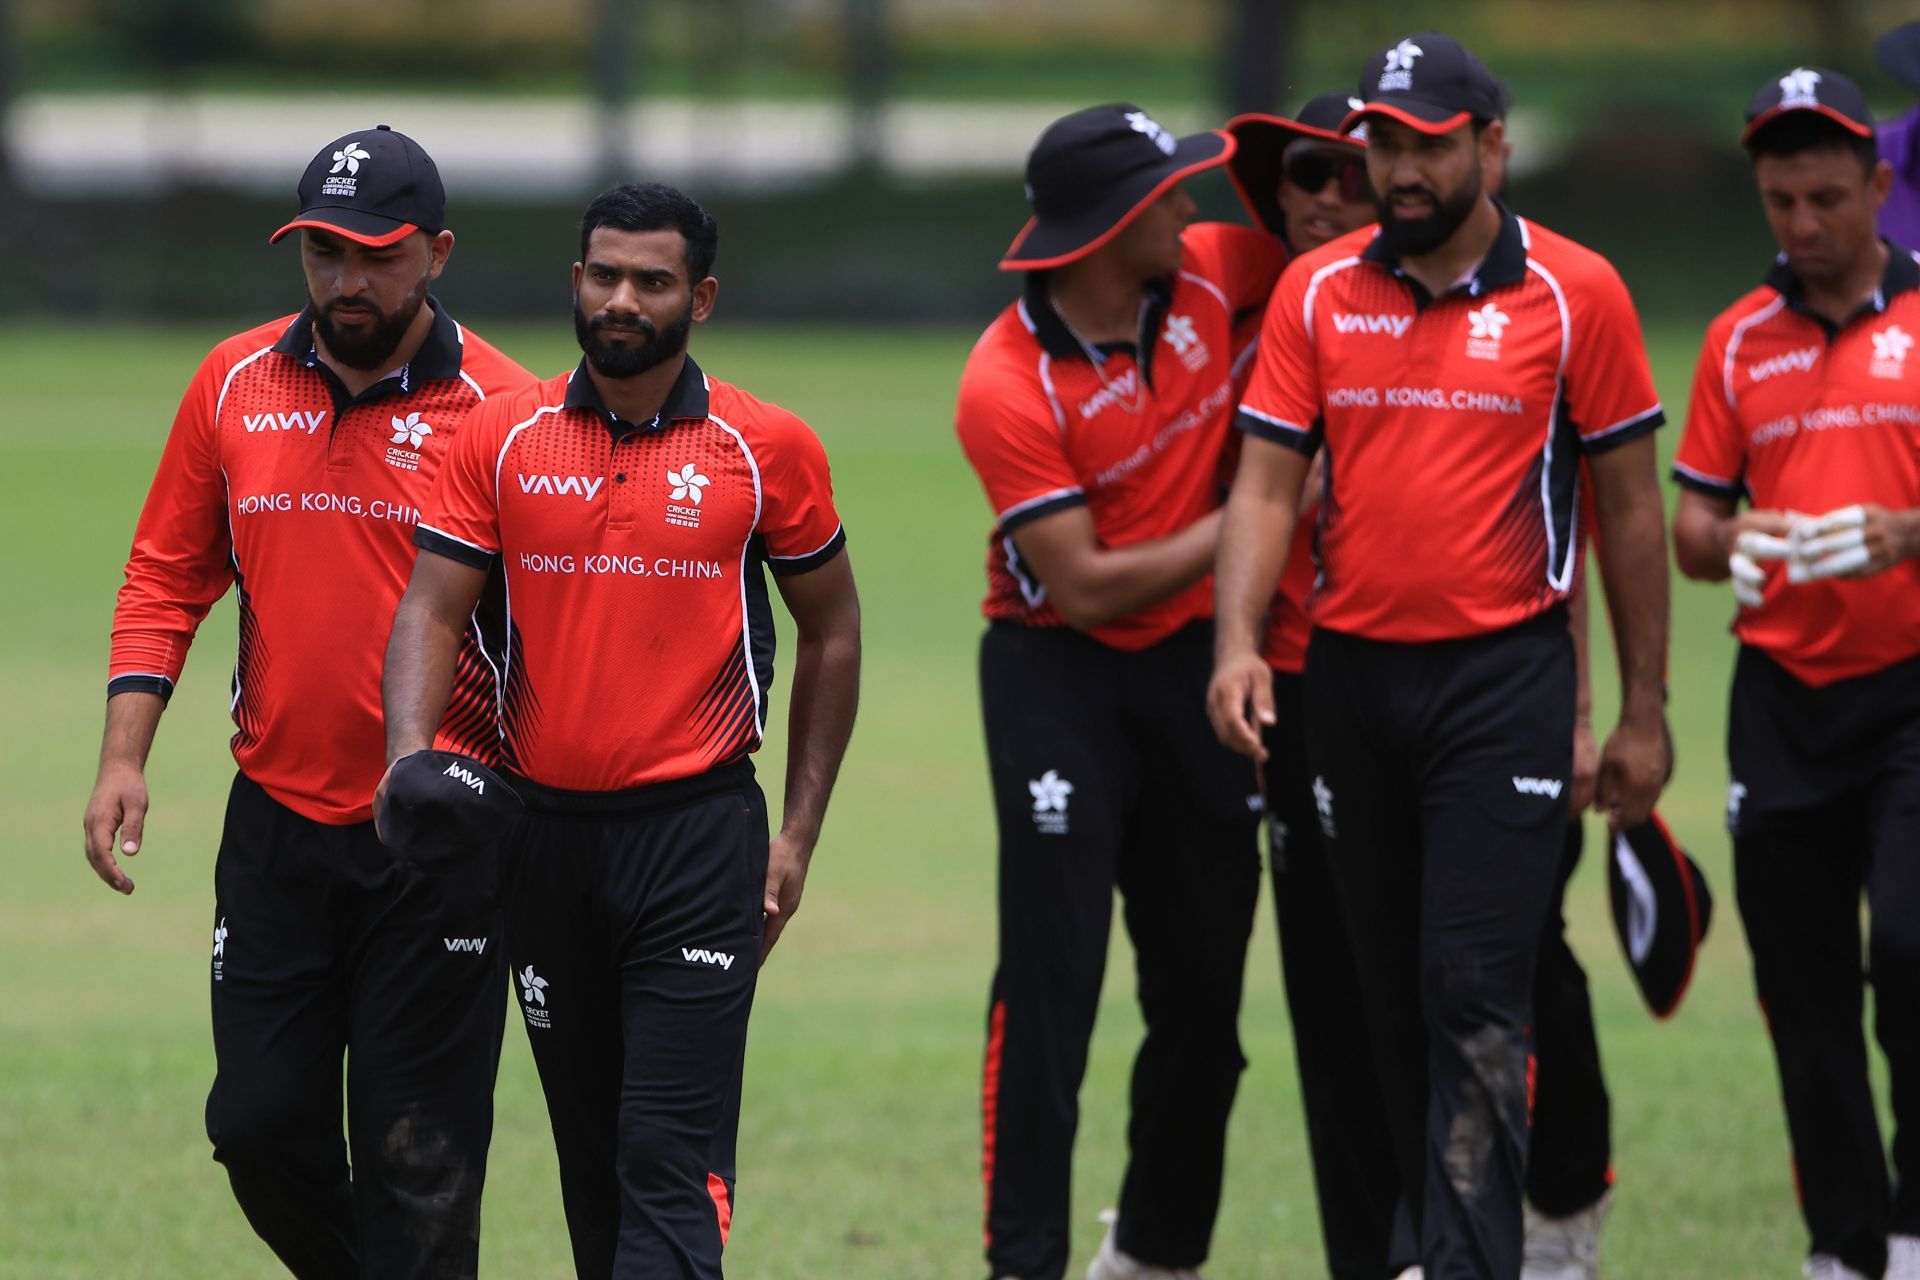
(1092, 173)
(441, 809)
(375, 186)
(1430, 82)
(1661, 910)
(1815, 89)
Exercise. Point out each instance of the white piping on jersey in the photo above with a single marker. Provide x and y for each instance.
(746, 631)
(1718, 482)
(1026, 317)
(1561, 578)
(506, 579)
(1733, 342)
(1313, 288)
(1624, 424)
(1018, 507)
(1272, 421)
(1046, 381)
(1212, 288)
(808, 555)
(221, 402)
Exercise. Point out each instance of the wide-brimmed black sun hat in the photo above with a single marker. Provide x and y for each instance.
(1661, 910)
(1260, 150)
(442, 809)
(1092, 173)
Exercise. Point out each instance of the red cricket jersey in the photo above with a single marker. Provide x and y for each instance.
(637, 644)
(273, 480)
(1137, 438)
(1797, 415)
(1454, 426)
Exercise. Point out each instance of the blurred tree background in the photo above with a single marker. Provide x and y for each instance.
(863, 156)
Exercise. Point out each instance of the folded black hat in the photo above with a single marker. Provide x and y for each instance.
(1815, 89)
(376, 186)
(1092, 172)
(1259, 159)
(442, 808)
(1661, 909)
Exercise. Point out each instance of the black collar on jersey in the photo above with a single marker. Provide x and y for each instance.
(687, 399)
(1505, 263)
(1902, 274)
(1058, 341)
(437, 358)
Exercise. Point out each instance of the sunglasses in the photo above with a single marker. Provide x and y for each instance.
(1313, 170)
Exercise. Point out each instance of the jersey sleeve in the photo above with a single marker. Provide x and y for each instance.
(1243, 262)
(798, 523)
(1013, 434)
(1711, 458)
(182, 556)
(1282, 400)
(1609, 385)
(462, 520)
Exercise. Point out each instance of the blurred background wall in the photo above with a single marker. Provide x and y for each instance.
(863, 156)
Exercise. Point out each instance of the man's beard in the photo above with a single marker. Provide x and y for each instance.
(617, 360)
(370, 347)
(1410, 238)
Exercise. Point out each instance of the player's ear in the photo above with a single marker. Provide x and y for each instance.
(578, 268)
(439, 248)
(703, 295)
(1879, 183)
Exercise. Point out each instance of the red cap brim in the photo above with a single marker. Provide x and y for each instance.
(371, 240)
(1408, 118)
(1771, 114)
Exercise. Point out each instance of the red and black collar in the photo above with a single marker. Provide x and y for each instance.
(687, 400)
(1505, 263)
(1901, 275)
(437, 359)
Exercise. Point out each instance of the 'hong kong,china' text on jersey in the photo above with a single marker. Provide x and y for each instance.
(637, 644)
(1454, 426)
(1137, 438)
(304, 499)
(1798, 415)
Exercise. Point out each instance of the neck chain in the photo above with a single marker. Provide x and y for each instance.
(1098, 362)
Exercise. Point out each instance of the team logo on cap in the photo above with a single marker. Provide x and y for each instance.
(1397, 75)
(1359, 132)
(1890, 347)
(1484, 327)
(1141, 122)
(1798, 88)
(348, 158)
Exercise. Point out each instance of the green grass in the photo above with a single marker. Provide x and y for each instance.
(859, 1142)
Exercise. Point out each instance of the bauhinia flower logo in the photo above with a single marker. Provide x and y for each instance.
(349, 158)
(1050, 792)
(686, 484)
(220, 938)
(1180, 333)
(1800, 88)
(1487, 322)
(410, 430)
(1141, 122)
(1401, 56)
(1892, 344)
(532, 987)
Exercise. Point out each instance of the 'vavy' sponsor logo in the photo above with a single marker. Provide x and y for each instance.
(698, 955)
(1120, 389)
(461, 773)
(1538, 786)
(585, 486)
(1346, 322)
(295, 421)
(1773, 366)
(476, 945)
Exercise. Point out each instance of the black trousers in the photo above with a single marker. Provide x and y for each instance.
(1355, 1178)
(1440, 775)
(1105, 772)
(633, 926)
(325, 948)
(1825, 805)
(1570, 1160)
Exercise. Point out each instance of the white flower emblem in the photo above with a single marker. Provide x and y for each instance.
(1050, 792)
(220, 938)
(348, 158)
(1797, 88)
(1487, 323)
(532, 987)
(410, 430)
(1141, 122)
(686, 484)
(1892, 344)
(1401, 56)
(1180, 333)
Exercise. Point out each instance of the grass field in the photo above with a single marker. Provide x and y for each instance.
(859, 1145)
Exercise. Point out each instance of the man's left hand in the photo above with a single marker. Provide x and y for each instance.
(787, 859)
(1855, 542)
(1634, 767)
(1586, 768)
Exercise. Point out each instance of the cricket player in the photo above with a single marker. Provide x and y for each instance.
(1095, 410)
(633, 505)
(1458, 362)
(1806, 403)
(295, 472)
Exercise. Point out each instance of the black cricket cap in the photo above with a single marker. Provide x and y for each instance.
(1261, 143)
(1430, 82)
(1661, 910)
(441, 809)
(1815, 89)
(1898, 52)
(375, 186)
(1092, 173)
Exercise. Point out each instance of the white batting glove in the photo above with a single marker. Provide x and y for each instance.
(1749, 579)
(1830, 545)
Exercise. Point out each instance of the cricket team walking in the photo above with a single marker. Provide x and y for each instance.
(1289, 519)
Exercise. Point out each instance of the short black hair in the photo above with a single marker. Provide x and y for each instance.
(653, 206)
(1793, 132)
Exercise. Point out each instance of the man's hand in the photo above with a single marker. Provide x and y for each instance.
(118, 805)
(787, 860)
(1853, 542)
(1633, 769)
(380, 797)
(1240, 702)
(1586, 768)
